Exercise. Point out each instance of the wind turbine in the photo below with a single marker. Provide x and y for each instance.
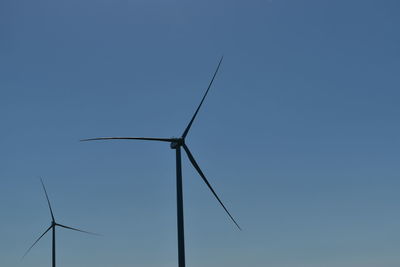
(177, 144)
(52, 227)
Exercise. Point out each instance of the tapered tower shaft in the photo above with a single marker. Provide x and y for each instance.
(179, 205)
(53, 259)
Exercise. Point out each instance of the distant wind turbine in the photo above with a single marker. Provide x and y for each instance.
(177, 143)
(52, 227)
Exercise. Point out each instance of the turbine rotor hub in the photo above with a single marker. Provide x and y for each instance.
(177, 142)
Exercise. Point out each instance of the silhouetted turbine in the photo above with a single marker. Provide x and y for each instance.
(52, 227)
(177, 143)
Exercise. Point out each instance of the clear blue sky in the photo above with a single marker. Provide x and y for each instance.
(299, 135)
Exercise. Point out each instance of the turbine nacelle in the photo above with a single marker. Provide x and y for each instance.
(177, 142)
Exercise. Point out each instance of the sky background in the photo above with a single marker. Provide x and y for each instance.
(299, 134)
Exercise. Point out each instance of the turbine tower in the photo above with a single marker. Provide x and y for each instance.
(177, 144)
(52, 227)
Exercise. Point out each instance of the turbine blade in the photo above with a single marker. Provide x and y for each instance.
(129, 138)
(48, 201)
(75, 229)
(37, 240)
(196, 166)
(202, 100)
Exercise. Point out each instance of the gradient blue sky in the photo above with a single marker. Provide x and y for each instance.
(299, 135)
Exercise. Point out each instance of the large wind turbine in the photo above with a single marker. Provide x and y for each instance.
(52, 227)
(177, 143)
